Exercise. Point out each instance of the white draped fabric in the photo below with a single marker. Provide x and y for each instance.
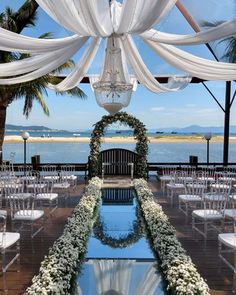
(113, 275)
(116, 275)
(81, 68)
(99, 19)
(139, 16)
(149, 283)
(196, 66)
(86, 18)
(226, 29)
(10, 41)
(142, 73)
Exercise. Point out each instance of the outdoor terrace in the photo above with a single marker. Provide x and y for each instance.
(32, 251)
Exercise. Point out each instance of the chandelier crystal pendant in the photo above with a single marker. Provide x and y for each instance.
(112, 91)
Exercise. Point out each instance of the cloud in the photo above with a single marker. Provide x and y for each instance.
(190, 105)
(206, 111)
(157, 109)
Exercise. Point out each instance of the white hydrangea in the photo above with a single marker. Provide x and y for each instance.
(67, 254)
(180, 273)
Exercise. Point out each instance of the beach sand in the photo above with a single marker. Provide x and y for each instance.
(157, 139)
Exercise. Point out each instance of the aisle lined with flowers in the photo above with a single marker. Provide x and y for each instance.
(67, 255)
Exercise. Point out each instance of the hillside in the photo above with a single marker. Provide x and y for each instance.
(198, 129)
(10, 127)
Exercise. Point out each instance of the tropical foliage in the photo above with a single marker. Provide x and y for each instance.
(30, 91)
(139, 135)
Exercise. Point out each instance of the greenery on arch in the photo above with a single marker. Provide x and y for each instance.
(139, 135)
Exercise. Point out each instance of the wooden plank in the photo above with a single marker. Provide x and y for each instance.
(33, 251)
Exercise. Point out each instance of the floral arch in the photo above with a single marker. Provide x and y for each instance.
(139, 135)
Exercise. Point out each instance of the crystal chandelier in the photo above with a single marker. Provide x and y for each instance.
(112, 91)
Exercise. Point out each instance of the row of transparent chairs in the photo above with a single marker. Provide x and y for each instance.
(26, 194)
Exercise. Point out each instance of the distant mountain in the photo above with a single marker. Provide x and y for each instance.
(10, 127)
(197, 129)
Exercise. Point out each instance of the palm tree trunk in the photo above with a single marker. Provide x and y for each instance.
(25, 12)
(3, 114)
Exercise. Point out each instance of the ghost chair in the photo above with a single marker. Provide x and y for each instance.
(167, 176)
(45, 195)
(31, 181)
(62, 185)
(68, 174)
(227, 246)
(176, 186)
(192, 197)
(23, 212)
(49, 173)
(207, 174)
(211, 217)
(24, 171)
(9, 243)
(221, 186)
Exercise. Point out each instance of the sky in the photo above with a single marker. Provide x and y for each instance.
(191, 106)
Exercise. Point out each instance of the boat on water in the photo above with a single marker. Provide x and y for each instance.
(76, 134)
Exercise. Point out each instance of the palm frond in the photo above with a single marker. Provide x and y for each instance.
(43, 104)
(230, 52)
(48, 35)
(76, 91)
(67, 65)
(207, 24)
(27, 106)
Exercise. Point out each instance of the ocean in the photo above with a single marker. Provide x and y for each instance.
(78, 152)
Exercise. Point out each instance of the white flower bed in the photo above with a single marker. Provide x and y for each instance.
(180, 273)
(67, 254)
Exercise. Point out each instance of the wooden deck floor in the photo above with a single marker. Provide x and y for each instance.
(33, 250)
(218, 276)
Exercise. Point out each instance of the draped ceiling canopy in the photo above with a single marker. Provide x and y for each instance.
(95, 20)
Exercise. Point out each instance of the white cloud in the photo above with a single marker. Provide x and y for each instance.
(206, 111)
(190, 105)
(157, 109)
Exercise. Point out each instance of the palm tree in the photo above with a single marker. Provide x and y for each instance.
(30, 91)
(230, 50)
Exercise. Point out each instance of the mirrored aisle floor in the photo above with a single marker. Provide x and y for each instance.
(119, 260)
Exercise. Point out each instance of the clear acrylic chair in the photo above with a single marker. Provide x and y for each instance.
(211, 217)
(167, 176)
(62, 185)
(45, 195)
(23, 212)
(221, 187)
(207, 174)
(175, 186)
(192, 197)
(50, 173)
(9, 243)
(227, 248)
(68, 174)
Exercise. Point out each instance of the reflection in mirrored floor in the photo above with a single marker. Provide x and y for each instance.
(119, 259)
(119, 277)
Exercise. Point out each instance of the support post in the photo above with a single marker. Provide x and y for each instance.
(226, 123)
(24, 156)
